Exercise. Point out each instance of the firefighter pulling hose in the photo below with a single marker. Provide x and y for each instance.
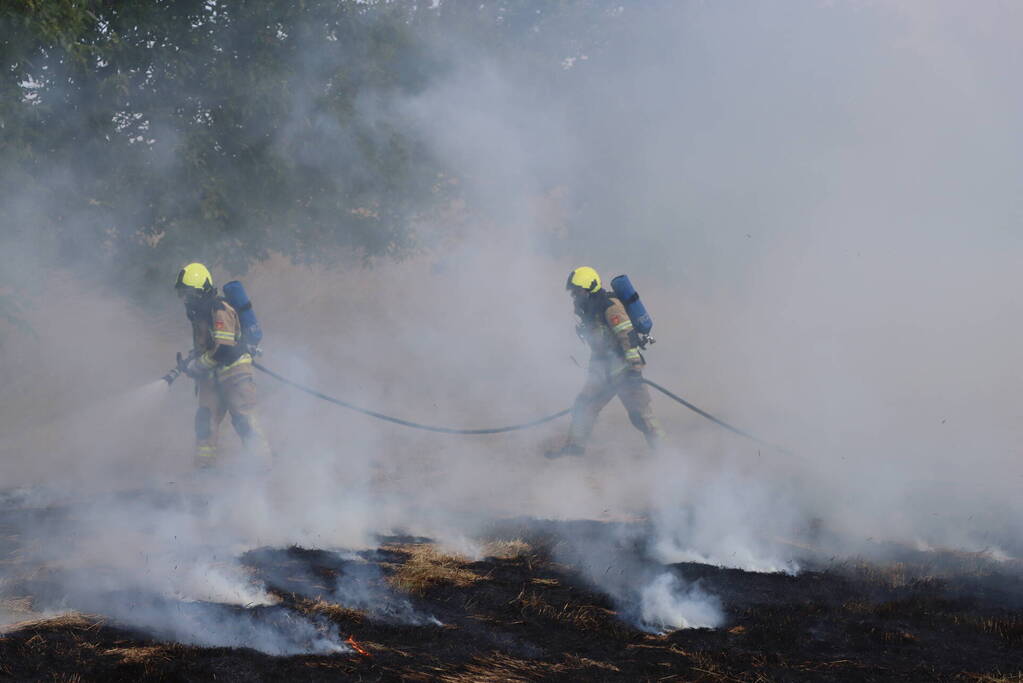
(615, 330)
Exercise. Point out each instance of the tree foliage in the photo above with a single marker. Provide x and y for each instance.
(143, 134)
(158, 126)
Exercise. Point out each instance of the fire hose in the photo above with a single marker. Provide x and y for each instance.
(708, 416)
(497, 430)
(407, 423)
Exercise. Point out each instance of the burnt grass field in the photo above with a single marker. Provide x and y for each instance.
(519, 615)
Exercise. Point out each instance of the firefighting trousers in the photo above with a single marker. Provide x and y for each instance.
(234, 393)
(601, 387)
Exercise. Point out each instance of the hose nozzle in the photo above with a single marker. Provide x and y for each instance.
(182, 367)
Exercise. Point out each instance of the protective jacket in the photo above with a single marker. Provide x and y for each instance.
(228, 385)
(217, 337)
(606, 328)
(615, 370)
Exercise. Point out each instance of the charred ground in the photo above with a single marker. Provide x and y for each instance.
(521, 614)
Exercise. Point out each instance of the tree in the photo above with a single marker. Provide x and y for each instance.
(149, 133)
(138, 131)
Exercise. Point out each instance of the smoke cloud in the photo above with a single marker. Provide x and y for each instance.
(820, 205)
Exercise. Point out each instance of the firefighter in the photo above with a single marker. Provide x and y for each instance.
(222, 367)
(616, 365)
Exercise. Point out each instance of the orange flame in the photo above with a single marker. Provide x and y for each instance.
(358, 648)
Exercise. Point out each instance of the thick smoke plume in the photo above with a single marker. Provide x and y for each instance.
(820, 205)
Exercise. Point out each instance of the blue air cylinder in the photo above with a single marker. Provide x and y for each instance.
(624, 290)
(235, 294)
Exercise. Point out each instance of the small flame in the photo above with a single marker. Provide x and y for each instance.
(358, 648)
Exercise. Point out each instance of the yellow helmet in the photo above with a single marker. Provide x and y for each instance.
(585, 278)
(194, 279)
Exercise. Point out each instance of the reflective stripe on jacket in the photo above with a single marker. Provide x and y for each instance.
(611, 336)
(217, 338)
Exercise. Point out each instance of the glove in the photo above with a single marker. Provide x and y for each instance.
(188, 366)
(634, 358)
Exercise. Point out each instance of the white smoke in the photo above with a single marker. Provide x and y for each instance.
(820, 208)
(666, 605)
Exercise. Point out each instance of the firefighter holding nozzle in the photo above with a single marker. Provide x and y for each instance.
(221, 364)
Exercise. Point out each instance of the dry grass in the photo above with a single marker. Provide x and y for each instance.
(497, 668)
(550, 583)
(573, 662)
(581, 617)
(1009, 629)
(933, 569)
(141, 655)
(507, 550)
(501, 668)
(72, 621)
(331, 610)
(426, 567)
